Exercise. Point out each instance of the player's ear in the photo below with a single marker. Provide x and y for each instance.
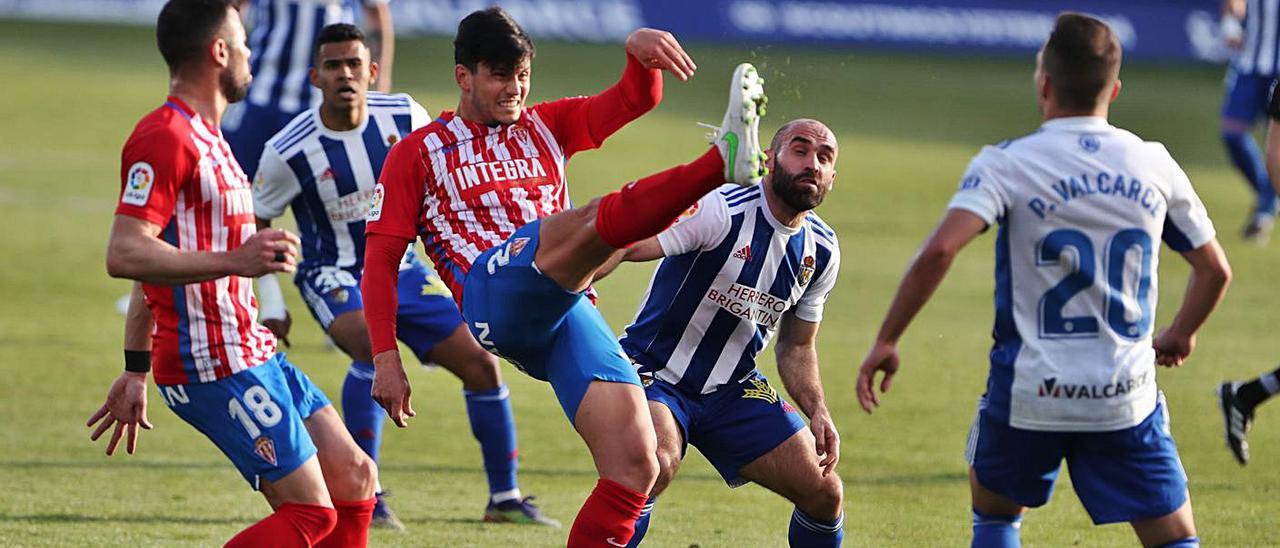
(463, 77)
(314, 77)
(373, 72)
(221, 52)
(1115, 91)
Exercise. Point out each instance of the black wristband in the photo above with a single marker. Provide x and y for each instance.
(137, 361)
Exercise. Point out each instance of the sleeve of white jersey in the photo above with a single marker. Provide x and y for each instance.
(1186, 224)
(980, 189)
(700, 227)
(809, 307)
(418, 115)
(275, 187)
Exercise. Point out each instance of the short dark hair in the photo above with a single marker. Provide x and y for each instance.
(1081, 58)
(492, 37)
(185, 27)
(335, 33)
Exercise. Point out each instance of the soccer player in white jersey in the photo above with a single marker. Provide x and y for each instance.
(184, 229)
(281, 38)
(741, 265)
(1252, 28)
(1081, 207)
(324, 165)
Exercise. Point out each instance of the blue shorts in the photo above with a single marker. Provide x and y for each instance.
(426, 315)
(732, 426)
(247, 127)
(1246, 96)
(1120, 476)
(528, 319)
(255, 417)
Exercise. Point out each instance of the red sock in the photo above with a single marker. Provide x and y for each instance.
(300, 525)
(353, 524)
(649, 205)
(608, 517)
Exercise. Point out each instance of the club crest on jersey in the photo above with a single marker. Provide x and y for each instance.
(391, 139)
(139, 181)
(520, 134)
(327, 175)
(340, 295)
(693, 210)
(265, 448)
(760, 390)
(517, 245)
(806, 270)
(743, 254)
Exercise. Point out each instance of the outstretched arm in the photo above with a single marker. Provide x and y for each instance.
(797, 354)
(583, 123)
(924, 275)
(1210, 275)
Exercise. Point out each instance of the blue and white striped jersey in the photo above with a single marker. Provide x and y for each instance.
(731, 270)
(1260, 54)
(328, 177)
(283, 36)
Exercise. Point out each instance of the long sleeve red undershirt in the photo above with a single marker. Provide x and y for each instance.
(578, 125)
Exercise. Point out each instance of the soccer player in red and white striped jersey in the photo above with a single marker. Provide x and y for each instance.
(185, 230)
(483, 185)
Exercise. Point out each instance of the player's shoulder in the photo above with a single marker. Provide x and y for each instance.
(166, 128)
(821, 230)
(738, 198)
(294, 133)
(400, 102)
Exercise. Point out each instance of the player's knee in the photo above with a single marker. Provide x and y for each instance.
(353, 478)
(827, 501)
(668, 463)
(637, 469)
(481, 372)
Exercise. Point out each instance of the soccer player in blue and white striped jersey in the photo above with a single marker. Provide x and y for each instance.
(740, 266)
(1252, 27)
(325, 165)
(281, 39)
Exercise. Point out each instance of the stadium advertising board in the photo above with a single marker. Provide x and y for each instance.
(1154, 29)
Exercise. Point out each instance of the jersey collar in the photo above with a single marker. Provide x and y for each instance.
(315, 115)
(1077, 123)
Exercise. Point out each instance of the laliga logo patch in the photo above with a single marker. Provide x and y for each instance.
(340, 295)
(375, 208)
(806, 270)
(139, 181)
(265, 448)
(693, 210)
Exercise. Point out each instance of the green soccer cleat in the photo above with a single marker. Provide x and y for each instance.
(738, 136)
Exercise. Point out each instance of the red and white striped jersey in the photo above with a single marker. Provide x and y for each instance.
(465, 187)
(178, 173)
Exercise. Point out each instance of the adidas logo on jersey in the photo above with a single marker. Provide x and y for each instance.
(744, 253)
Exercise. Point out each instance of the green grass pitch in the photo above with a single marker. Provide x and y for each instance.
(907, 125)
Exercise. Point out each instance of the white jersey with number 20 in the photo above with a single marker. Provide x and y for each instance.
(1082, 207)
